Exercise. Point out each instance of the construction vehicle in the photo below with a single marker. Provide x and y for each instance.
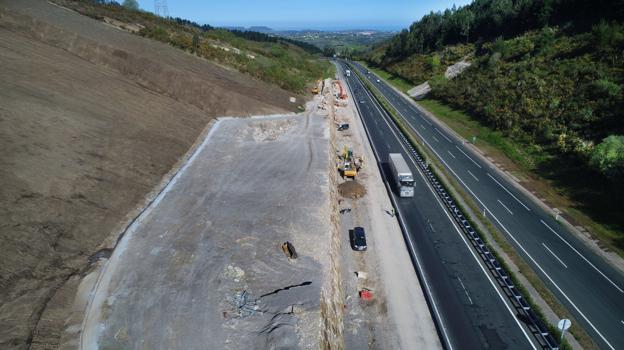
(402, 175)
(350, 165)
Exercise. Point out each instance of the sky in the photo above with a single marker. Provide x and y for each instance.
(305, 14)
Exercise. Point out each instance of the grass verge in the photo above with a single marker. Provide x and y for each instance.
(526, 164)
(397, 81)
(474, 215)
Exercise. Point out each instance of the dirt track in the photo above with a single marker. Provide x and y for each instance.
(84, 136)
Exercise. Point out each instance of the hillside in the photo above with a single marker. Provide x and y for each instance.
(546, 79)
(92, 118)
(286, 63)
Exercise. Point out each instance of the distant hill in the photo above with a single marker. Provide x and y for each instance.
(261, 29)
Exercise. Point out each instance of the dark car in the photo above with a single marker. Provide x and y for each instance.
(358, 239)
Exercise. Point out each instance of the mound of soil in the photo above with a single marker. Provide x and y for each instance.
(352, 189)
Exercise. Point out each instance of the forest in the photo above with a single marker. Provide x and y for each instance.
(546, 75)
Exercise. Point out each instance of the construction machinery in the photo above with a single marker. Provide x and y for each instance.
(350, 164)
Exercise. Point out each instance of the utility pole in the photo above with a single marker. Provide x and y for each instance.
(160, 8)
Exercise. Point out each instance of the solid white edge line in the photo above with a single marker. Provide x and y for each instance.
(553, 282)
(473, 176)
(506, 190)
(521, 247)
(581, 255)
(555, 255)
(467, 156)
(479, 261)
(409, 238)
(504, 206)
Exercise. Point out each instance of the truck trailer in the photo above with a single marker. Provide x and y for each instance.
(403, 178)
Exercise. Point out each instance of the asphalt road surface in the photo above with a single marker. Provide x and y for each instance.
(472, 312)
(589, 286)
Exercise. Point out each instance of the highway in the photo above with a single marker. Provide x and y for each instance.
(470, 309)
(584, 282)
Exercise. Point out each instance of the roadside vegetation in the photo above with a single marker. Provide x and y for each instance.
(545, 88)
(287, 63)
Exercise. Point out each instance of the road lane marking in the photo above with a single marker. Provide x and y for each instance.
(467, 156)
(453, 223)
(452, 155)
(441, 134)
(409, 238)
(465, 290)
(471, 174)
(622, 322)
(553, 254)
(435, 138)
(584, 258)
(512, 237)
(552, 281)
(422, 126)
(504, 206)
(506, 190)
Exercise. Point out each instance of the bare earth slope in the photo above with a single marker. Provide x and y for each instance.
(87, 129)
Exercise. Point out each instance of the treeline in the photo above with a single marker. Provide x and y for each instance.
(262, 37)
(485, 20)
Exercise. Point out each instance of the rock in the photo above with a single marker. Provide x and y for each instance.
(419, 91)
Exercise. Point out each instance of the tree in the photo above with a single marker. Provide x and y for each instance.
(608, 156)
(465, 19)
(131, 4)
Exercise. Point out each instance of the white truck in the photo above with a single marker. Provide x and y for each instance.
(403, 178)
(348, 73)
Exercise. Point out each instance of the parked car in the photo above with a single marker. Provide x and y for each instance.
(358, 239)
(344, 126)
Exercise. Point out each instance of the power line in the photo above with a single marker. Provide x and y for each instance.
(161, 8)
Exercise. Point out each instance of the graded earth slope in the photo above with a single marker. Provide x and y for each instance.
(91, 119)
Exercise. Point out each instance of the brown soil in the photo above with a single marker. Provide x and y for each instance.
(351, 189)
(91, 119)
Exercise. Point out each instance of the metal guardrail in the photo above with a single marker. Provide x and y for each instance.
(526, 313)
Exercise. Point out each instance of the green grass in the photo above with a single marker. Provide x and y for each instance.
(555, 178)
(397, 81)
(456, 192)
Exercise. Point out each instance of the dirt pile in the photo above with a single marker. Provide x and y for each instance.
(352, 189)
(87, 129)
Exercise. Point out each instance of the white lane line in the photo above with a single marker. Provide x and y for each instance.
(584, 258)
(465, 290)
(506, 190)
(471, 174)
(467, 156)
(553, 254)
(409, 238)
(504, 206)
(552, 281)
(452, 155)
(457, 230)
(441, 134)
(425, 119)
(622, 322)
(511, 236)
(422, 126)
(435, 138)
(519, 245)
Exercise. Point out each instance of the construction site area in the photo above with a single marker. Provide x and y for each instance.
(197, 215)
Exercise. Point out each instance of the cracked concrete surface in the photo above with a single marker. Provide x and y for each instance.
(203, 267)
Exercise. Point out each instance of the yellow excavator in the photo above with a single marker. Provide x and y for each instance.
(349, 168)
